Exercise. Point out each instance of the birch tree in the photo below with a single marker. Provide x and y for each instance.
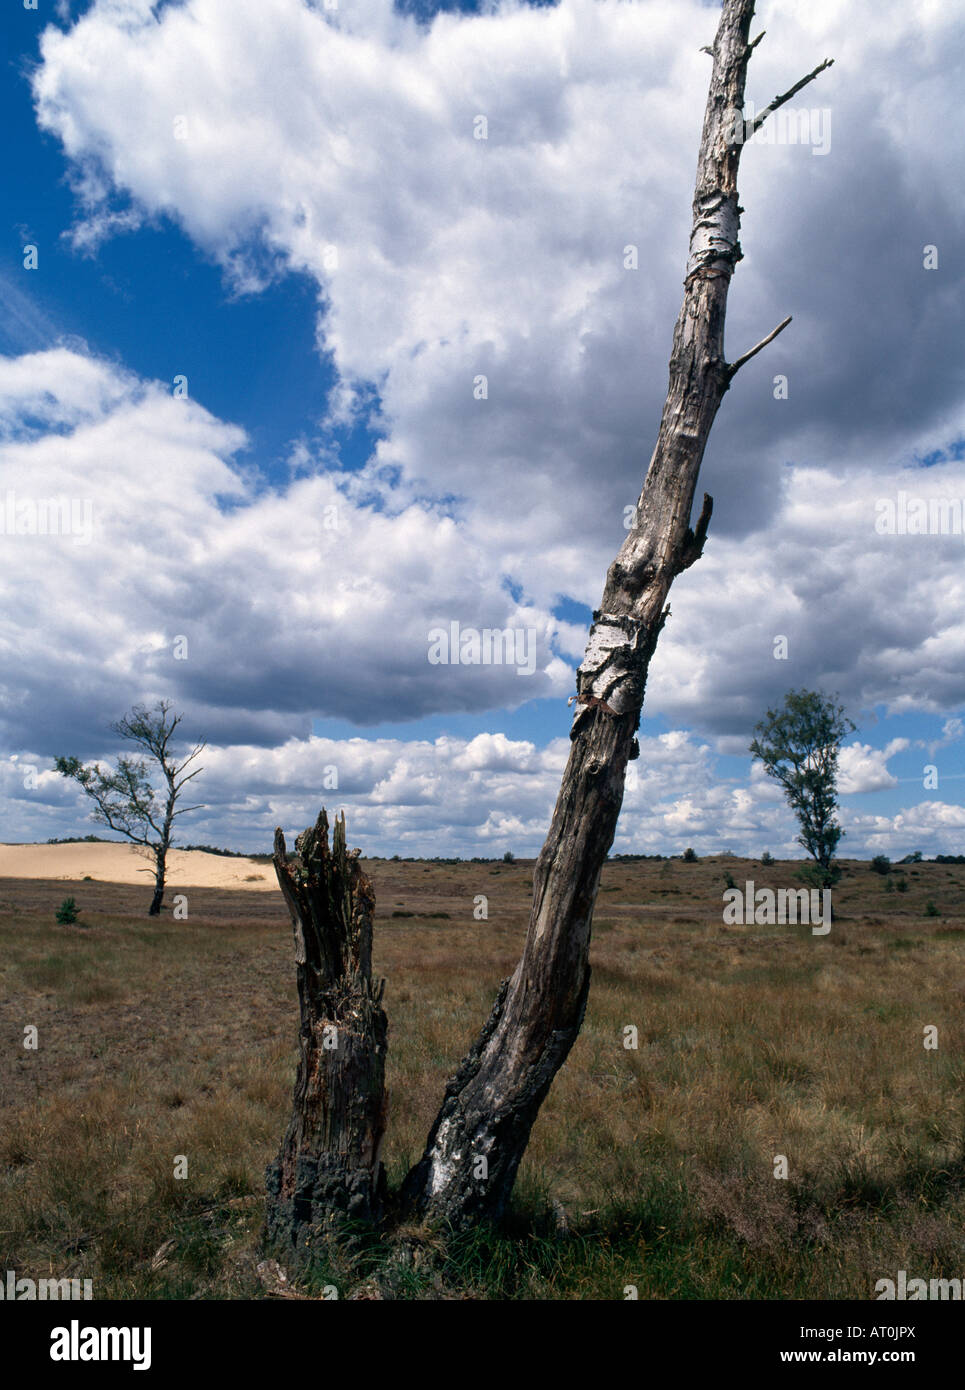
(474, 1148)
(125, 799)
(798, 746)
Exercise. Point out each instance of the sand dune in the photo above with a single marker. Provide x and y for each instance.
(121, 863)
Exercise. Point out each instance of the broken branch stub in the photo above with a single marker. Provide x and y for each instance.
(328, 1167)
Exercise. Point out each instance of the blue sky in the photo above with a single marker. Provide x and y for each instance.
(349, 390)
(152, 301)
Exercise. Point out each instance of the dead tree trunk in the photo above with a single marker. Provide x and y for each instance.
(479, 1136)
(328, 1165)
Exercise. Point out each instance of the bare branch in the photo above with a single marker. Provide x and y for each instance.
(178, 785)
(693, 546)
(759, 120)
(751, 46)
(735, 367)
(195, 752)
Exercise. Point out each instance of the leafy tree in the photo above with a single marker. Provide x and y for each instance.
(881, 864)
(125, 799)
(799, 747)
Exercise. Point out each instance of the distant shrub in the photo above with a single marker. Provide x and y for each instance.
(85, 840)
(509, 857)
(931, 910)
(767, 857)
(911, 858)
(902, 885)
(67, 912)
(729, 879)
(690, 856)
(881, 864)
(215, 849)
(890, 885)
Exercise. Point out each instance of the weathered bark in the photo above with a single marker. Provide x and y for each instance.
(329, 1165)
(491, 1104)
(160, 868)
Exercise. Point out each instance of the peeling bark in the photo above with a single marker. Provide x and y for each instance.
(329, 1164)
(475, 1146)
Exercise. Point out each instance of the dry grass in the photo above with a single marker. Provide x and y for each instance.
(166, 1038)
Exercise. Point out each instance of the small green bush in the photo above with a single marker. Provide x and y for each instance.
(931, 910)
(902, 885)
(767, 857)
(67, 912)
(881, 864)
(690, 856)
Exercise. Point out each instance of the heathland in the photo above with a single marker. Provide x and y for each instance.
(159, 1040)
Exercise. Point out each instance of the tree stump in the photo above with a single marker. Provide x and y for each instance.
(328, 1168)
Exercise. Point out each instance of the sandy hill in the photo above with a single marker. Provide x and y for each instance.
(122, 863)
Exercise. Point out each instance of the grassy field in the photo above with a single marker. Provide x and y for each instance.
(652, 1167)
